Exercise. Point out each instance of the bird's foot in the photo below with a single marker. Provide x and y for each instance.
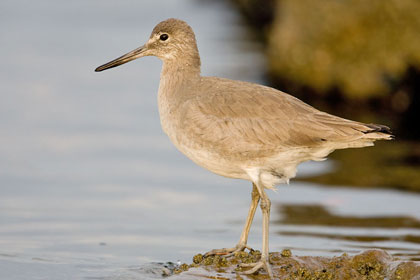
(227, 252)
(263, 263)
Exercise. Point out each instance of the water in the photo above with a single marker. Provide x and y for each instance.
(90, 187)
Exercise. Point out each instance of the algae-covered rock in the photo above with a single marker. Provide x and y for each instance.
(368, 265)
(286, 253)
(355, 45)
(406, 270)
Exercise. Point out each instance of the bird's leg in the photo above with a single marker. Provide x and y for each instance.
(242, 244)
(255, 198)
(264, 261)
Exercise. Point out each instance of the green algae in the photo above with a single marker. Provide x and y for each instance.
(198, 258)
(286, 253)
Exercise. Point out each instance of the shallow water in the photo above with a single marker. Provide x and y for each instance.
(90, 187)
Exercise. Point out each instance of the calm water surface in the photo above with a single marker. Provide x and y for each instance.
(91, 188)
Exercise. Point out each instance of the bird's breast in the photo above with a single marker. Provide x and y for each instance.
(170, 112)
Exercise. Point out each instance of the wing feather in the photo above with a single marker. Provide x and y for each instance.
(240, 117)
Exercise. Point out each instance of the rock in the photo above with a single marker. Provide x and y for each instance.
(368, 265)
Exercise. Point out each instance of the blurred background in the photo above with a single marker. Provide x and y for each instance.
(357, 60)
(91, 188)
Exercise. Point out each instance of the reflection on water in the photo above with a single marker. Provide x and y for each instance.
(319, 215)
(316, 220)
(388, 230)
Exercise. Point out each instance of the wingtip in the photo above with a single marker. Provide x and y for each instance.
(378, 132)
(379, 128)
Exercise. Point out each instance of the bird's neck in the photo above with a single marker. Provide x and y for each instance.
(187, 66)
(176, 81)
(178, 74)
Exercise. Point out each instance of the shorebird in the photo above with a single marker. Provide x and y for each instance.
(239, 129)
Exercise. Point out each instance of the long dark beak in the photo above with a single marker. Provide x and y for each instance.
(134, 54)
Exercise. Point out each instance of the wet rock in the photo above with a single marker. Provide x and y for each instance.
(406, 270)
(368, 265)
(181, 268)
(156, 269)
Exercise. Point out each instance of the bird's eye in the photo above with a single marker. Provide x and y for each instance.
(164, 37)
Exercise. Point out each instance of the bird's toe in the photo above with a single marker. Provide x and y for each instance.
(262, 264)
(227, 252)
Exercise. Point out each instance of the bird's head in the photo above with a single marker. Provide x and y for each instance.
(172, 40)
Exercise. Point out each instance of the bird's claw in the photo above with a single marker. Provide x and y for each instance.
(227, 252)
(263, 263)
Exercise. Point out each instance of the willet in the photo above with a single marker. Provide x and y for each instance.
(239, 129)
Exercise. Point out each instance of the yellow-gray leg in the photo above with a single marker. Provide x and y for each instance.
(242, 245)
(265, 205)
(255, 195)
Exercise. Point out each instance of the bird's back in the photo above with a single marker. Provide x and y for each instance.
(222, 123)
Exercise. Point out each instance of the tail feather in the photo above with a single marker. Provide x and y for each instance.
(361, 135)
